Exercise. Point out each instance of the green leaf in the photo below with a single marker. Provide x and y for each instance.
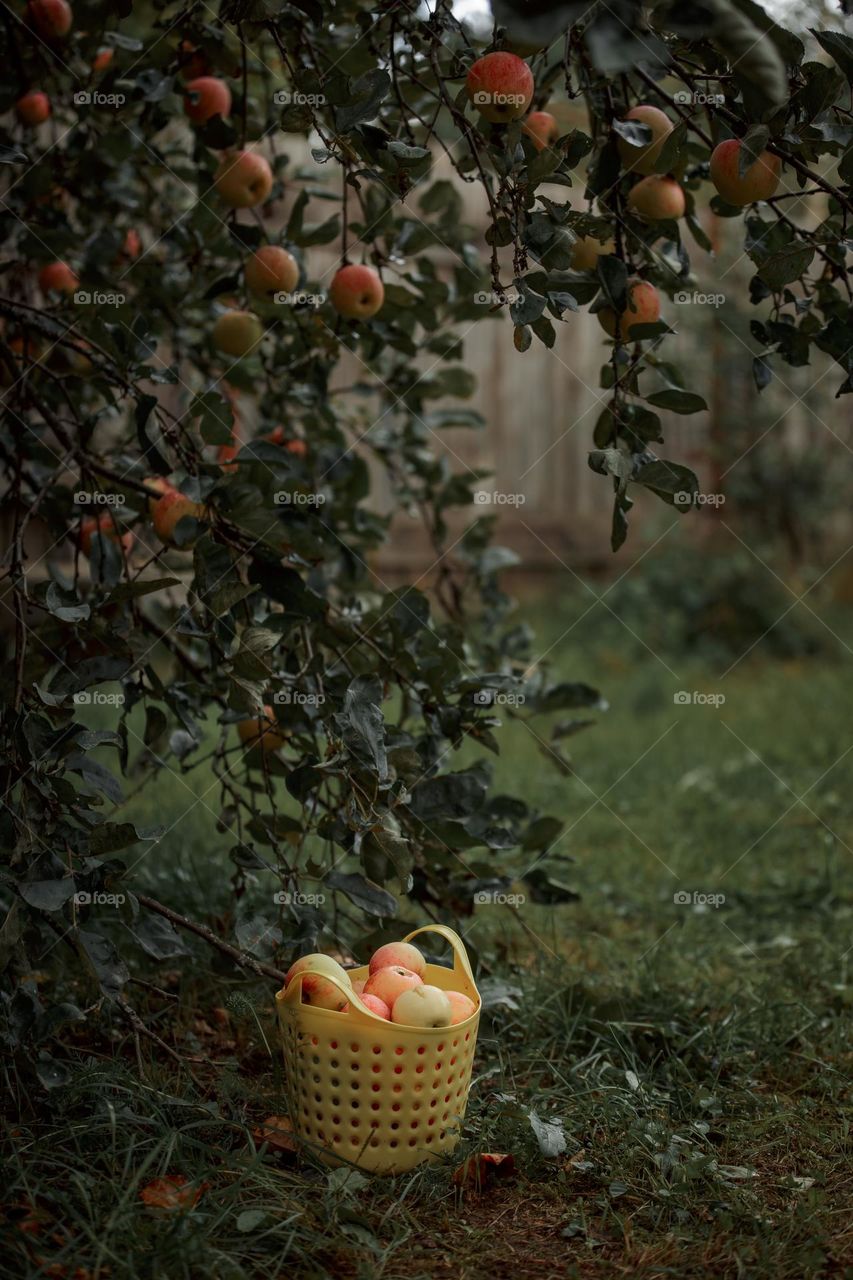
(366, 895)
(786, 266)
(677, 401)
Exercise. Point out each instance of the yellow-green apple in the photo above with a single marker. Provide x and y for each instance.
(642, 307)
(33, 108)
(51, 18)
(461, 1007)
(422, 1006)
(758, 182)
(643, 159)
(271, 270)
(656, 198)
(171, 508)
(500, 85)
(356, 292)
(377, 1006)
(264, 732)
(243, 180)
(542, 129)
(402, 954)
(320, 963)
(236, 333)
(388, 983)
(57, 277)
(587, 250)
(205, 97)
(104, 526)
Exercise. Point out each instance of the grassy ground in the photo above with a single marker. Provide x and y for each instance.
(693, 1051)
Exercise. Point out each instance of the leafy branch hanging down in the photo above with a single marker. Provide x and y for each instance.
(237, 276)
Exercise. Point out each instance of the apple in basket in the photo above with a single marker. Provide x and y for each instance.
(391, 982)
(461, 1007)
(402, 954)
(316, 989)
(377, 1006)
(422, 1006)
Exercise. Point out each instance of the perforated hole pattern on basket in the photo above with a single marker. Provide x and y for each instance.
(351, 1093)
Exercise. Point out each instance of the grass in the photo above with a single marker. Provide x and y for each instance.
(696, 1056)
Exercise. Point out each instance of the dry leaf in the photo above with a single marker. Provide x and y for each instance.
(276, 1132)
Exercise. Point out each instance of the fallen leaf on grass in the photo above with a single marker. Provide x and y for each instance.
(483, 1169)
(277, 1132)
(173, 1192)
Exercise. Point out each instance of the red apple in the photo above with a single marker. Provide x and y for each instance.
(643, 159)
(377, 1006)
(542, 129)
(390, 982)
(356, 292)
(50, 18)
(402, 954)
(500, 85)
(103, 59)
(271, 270)
(657, 198)
(759, 181)
(33, 108)
(462, 1007)
(206, 97)
(297, 447)
(57, 277)
(243, 180)
(104, 526)
(643, 307)
(170, 509)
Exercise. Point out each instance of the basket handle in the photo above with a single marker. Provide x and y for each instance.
(461, 963)
(292, 995)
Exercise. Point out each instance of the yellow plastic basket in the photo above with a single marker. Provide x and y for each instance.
(378, 1095)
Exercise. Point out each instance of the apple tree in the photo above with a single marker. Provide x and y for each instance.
(197, 409)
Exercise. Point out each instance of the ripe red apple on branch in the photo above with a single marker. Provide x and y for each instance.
(656, 198)
(642, 307)
(759, 181)
(243, 180)
(542, 129)
(357, 292)
(270, 270)
(206, 97)
(643, 159)
(52, 19)
(33, 108)
(500, 85)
